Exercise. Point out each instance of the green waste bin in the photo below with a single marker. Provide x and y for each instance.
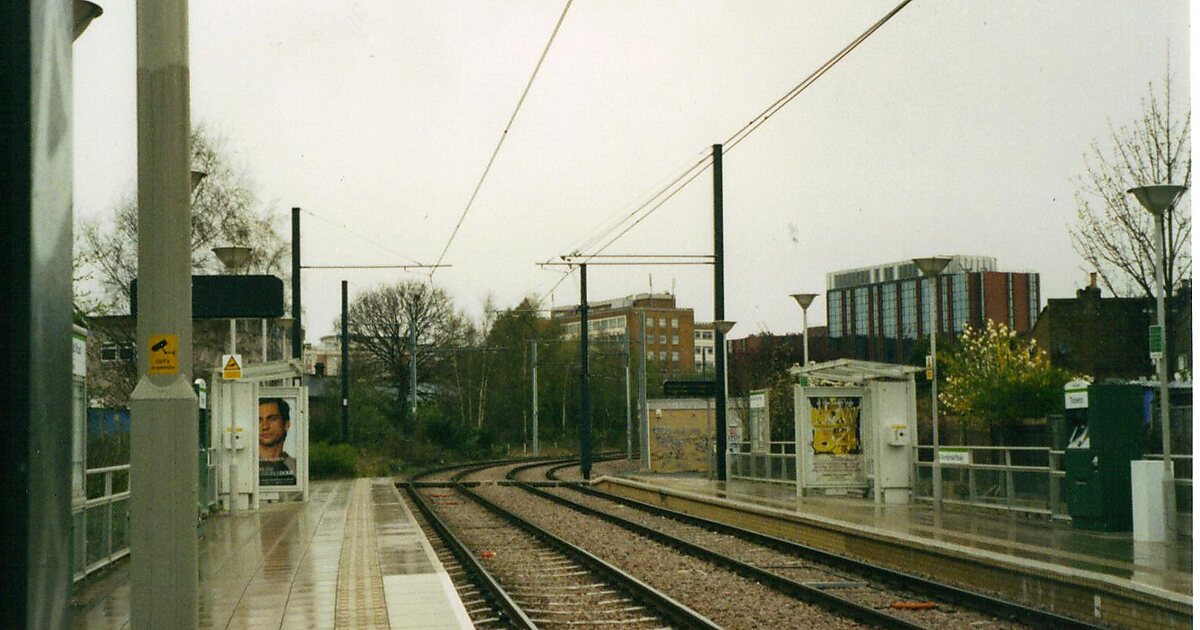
(1097, 457)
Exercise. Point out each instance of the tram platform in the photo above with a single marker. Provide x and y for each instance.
(350, 557)
(1106, 576)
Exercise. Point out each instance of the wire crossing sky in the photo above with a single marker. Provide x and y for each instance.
(958, 128)
(503, 136)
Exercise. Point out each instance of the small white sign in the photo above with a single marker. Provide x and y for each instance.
(79, 355)
(1076, 395)
(960, 456)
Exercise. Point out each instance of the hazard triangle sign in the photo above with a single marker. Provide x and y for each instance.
(231, 366)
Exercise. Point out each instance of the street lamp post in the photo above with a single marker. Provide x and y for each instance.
(1159, 200)
(233, 258)
(931, 267)
(805, 300)
(722, 327)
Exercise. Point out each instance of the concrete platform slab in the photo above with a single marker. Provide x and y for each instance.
(351, 557)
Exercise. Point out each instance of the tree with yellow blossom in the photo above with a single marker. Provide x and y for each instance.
(994, 378)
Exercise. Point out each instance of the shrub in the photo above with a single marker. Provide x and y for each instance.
(327, 461)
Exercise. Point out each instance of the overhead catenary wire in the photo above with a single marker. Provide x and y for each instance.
(367, 239)
(503, 135)
(689, 175)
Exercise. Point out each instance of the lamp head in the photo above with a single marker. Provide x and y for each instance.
(931, 266)
(196, 177)
(723, 326)
(83, 12)
(805, 300)
(1158, 199)
(232, 257)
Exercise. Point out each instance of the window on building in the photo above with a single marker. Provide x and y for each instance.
(662, 340)
(947, 315)
(649, 355)
(890, 327)
(674, 323)
(1033, 299)
(675, 356)
(834, 305)
(675, 340)
(861, 311)
(662, 355)
(111, 352)
(927, 304)
(662, 322)
(961, 313)
(908, 309)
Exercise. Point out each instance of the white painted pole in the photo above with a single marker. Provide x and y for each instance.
(163, 474)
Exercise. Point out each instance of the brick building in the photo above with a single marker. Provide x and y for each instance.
(879, 313)
(1107, 337)
(670, 330)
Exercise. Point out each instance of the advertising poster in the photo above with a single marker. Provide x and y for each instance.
(277, 442)
(836, 446)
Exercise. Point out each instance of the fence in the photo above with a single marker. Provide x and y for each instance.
(101, 534)
(775, 465)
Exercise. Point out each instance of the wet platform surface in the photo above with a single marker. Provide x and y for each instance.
(1117, 555)
(351, 557)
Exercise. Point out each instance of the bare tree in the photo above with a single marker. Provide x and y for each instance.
(381, 321)
(224, 212)
(1114, 234)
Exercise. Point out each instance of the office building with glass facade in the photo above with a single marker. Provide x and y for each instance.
(879, 313)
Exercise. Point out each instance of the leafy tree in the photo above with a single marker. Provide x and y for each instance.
(1114, 234)
(993, 378)
(224, 212)
(381, 322)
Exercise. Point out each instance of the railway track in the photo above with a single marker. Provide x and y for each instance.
(778, 583)
(839, 580)
(519, 575)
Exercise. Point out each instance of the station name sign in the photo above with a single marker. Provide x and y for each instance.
(230, 297)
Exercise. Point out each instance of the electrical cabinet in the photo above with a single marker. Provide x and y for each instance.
(1109, 432)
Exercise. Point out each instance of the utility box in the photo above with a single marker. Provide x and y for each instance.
(854, 429)
(1109, 432)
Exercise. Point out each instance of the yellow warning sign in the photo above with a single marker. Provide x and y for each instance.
(164, 354)
(231, 366)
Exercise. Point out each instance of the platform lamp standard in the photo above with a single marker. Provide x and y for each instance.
(930, 268)
(233, 257)
(722, 326)
(1159, 200)
(805, 300)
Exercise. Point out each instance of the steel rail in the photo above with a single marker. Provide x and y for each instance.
(970, 599)
(834, 603)
(674, 612)
(508, 610)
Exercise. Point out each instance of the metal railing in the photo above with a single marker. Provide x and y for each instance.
(775, 465)
(101, 522)
(1016, 478)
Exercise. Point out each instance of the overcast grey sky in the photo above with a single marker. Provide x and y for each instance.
(956, 129)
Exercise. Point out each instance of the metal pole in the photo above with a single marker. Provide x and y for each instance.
(628, 411)
(643, 405)
(804, 316)
(297, 331)
(719, 306)
(412, 366)
(264, 340)
(164, 569)
(585, 416)
(533, 362)
(345, 367)
(232, 335)
(937, 465)
(1164, 399)
(35, 228)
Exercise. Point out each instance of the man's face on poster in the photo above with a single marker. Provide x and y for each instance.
(272, 427)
